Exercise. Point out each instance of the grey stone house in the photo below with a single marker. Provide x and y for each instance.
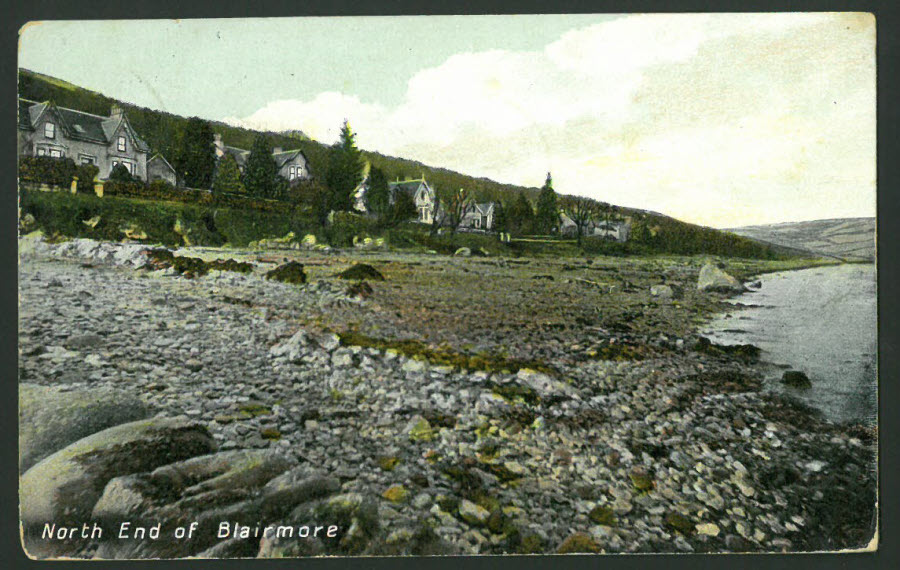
(292, 164)
(480, 217)
(422, 194)
(44, 129)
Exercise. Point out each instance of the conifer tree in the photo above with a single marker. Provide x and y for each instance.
(228, 177)
(195, 159)
(345, 169)
(261, 171)
(547, 216)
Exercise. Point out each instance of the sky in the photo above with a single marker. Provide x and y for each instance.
(718, 119)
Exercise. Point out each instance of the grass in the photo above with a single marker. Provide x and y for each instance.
(445, 356)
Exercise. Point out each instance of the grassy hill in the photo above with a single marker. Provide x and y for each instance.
(851, 239)
(161, 130)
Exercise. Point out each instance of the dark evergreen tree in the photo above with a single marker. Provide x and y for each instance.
(403, 208)
(261, 172)
(228, 177)
(547, 216)
(501, 223)
(195, 158)
(344, 169)
(378, 196)
(520, 218)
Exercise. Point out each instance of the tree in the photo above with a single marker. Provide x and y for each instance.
(547, 216)
(378, 195)
(403, 208)
(582, 211)
(120, 174)
(452, 206)
(228, 177)
(195, 159)
(501, 220)
(260, 174)
(520, 218)
(345, 169)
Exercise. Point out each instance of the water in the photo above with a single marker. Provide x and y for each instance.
(821, 321)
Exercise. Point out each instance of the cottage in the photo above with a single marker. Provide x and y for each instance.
(480, 216)
(292, 164)
(45, 129)
(158, 168)
(617, 230)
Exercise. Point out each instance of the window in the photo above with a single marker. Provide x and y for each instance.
(293, 173)
(42, 152)
(88, 160)
(121, 144)
(477, 222)
(55, 153)
(50, 130)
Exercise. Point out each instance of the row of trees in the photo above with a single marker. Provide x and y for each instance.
(196, 165)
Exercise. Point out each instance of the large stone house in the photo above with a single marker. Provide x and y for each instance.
(45, 129)
(292, 164)
(422, 194)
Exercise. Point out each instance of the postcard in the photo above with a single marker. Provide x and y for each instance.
(447, 285)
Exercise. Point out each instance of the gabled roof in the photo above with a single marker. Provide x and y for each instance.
(408, 186)
(484, 207)
(282, 158)
(163, 159)
(77, 125)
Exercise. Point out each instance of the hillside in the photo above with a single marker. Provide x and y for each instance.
(162, 130)
(845, 238)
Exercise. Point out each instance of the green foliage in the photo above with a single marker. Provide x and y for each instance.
(582, 211)
(46, 170)
(120, 174)
(261, 172)
(345, 169)
(378, 196)
(346, 225)
(195, 159)
(311, 196)
(547, 216)
(209, 225)
(86, 173)
(501, 220)
(228, 177)
(403, 208)
(520, 219)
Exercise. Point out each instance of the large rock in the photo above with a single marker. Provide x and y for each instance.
(64, 487)
(713, 278)
(50, 419)
(463, 252)
(244, 486)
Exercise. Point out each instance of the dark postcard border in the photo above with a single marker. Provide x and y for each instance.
(887, 15)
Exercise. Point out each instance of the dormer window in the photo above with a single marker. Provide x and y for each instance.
(50, 130)
(121, 144)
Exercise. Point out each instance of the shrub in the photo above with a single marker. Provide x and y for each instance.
(86, 174)
(120, 174)
(46, 170)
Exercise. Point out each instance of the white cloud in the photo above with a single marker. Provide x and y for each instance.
(717, 119)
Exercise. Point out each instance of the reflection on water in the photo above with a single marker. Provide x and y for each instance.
(821, 321)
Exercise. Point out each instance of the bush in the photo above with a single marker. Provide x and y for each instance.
(86, 173)
(345, 226)
(120, 174)
(46, 170)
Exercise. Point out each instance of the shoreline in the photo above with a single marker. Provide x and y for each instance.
(625, 451)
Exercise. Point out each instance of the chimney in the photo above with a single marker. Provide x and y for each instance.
(276, 150)
(219, 144)
(116, 112)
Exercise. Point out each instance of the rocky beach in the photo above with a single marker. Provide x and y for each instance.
(422, 403)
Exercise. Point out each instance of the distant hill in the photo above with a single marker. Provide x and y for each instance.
(162, 130)
(851, 239)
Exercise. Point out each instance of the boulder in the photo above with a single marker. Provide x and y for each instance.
(463, 252)
(209, 489)
(361, 271)
(713, 278)
(64, 487)
(544, 385)
(661, 291)
(796, 379)
(291, 272)
(50, 419)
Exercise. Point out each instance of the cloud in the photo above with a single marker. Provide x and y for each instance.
(717, 119)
